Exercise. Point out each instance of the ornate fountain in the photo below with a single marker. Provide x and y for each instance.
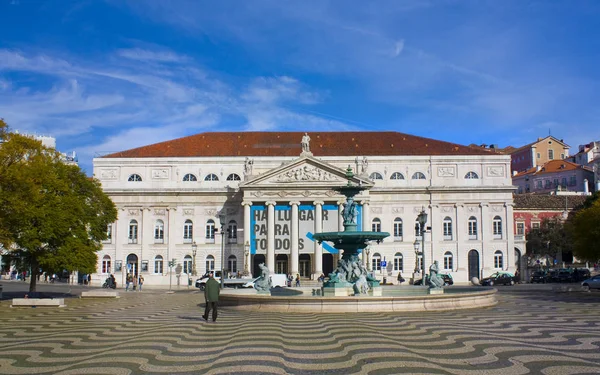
(350, 277)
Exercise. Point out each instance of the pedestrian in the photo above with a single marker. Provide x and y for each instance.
(140, 282)
(400, 278)
(134, 282)
(297, 280)
(128, 280)
(211, 297)
(89, 279)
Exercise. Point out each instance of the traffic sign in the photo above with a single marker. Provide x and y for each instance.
(383, 263)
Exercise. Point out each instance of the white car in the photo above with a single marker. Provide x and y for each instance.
(275, 280)
(591, 283)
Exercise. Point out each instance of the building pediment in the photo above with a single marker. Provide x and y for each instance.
(303, 173)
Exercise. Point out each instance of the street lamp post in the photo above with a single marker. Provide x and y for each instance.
(222, 220)
(194, 250)
(422, 218)
(417, 246)
(246, 258)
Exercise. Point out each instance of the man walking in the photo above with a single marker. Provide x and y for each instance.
(211, 295)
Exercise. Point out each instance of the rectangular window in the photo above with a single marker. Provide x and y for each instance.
(498, 261)
(158, 266)
(106, 266)
(520, 229)
(548, 184)
(398, 264)
(573, 181)
(133, 233)
(563, 182)
(551, 154)
(472, 229)
(555, 182)
(376, 263)
(398, 231)
(447, 262)
(447, 231)
(497, 229)
(376, 226)
(538, 184)
(535, 226)
(539, 155)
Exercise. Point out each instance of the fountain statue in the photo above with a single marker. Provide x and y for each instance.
(262, 284)
(350, 277)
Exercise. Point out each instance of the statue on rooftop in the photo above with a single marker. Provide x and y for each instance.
(305, 143)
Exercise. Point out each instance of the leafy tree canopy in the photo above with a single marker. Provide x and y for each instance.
(550, 239)
(586, 230)
(50, 212)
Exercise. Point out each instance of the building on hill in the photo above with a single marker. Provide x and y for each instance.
(538, 153)
(275, 191)
(589, 156)
(555, 175)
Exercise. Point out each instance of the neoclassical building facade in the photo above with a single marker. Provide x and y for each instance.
(234, 200)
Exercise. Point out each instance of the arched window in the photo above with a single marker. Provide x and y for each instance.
(188, 231)
(135, 178)
(398, 230)
(106, 264)
(233, 177)
(397, 176)
(187, 264)
(497, 227)
(376, 176)
(498, 259)
(448, 261)
(398, 262)
(211, 177)
(472, 226)
(447, 229)
(210, 263)
(210, 231)
(418, 176)
(471, 176)
(376, 225)
(376, 262)
(232, 263)
(189, 177)
(158, 264)
(133, 231)
(159, 231)
(232, 232)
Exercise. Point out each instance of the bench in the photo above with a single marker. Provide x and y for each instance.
(100, 294)
(38, 302)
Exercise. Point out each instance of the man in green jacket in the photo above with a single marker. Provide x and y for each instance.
(211, 295)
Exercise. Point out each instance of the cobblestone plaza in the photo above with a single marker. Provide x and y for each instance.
(532, 330)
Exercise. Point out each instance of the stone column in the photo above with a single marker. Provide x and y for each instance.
(486, 235)
(247, 233)
(294, 255)
(338, 256)
(510, 237)
(366, 225)
(318, 268)
(271, 236)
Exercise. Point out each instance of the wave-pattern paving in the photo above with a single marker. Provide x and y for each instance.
(155, 333)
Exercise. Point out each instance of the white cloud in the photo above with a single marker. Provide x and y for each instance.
(109, 105)
(398, 47)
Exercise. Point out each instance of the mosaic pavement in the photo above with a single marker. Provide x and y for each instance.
(536, 332)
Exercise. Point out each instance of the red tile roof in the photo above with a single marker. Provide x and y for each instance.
(552, 166)
(288, 144)
(545, 201)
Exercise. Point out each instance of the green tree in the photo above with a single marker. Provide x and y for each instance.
(552, 238)
(51, 213)
(586, 230)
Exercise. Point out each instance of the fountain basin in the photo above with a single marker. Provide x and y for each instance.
(403, 299)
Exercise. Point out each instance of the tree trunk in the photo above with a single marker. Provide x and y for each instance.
(34, 272)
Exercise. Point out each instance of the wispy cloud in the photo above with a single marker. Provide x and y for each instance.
(110, 104)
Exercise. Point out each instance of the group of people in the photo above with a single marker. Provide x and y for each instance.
(135, 281)
(291, 279)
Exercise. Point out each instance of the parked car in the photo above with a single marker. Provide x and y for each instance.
(446, 277)
(540, 277)
(580, 274)
(499, 278)
(591, 283)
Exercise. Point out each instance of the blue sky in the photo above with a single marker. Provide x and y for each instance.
(104, 76)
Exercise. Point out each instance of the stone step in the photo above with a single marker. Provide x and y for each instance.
(38, 302)
(100, 294)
